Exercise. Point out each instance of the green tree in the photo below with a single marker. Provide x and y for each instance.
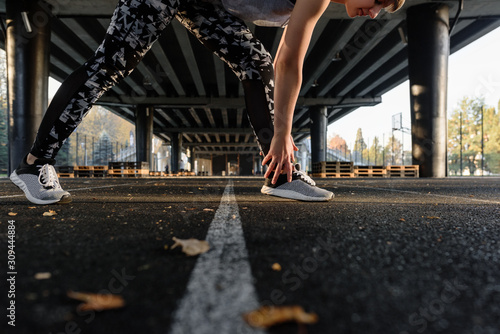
(393, 151)
(492, 140)
(65, 157)
(89, 136)
(360, 144)
(4, 154)
(104, 150)
(473, 137)
(375, 152)
(359, 147)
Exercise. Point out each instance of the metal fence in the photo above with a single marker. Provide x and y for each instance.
(85, 150)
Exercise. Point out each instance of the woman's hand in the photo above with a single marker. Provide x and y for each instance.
(288, 80)
(281, 155)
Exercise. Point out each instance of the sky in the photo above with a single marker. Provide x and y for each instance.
(472, 71)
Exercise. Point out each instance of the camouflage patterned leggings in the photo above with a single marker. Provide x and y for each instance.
(135, 26)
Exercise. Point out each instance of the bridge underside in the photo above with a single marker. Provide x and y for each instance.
(192, 94)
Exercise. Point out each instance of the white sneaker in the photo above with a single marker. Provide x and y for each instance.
(40, 182)
(302, 188)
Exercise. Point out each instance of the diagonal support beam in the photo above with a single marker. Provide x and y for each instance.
(187, 51)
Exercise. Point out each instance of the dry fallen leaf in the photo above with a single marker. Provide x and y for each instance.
(12, 214)
(192, 246)
(50, 213)
(40, 276)
(97, 302)
(276, 267)
(267, 316)
(432, 217)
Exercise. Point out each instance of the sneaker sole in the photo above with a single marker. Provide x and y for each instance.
(293, 195)
(21, 185)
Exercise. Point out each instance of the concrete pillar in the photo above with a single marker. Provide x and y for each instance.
(428, 51)
(192, 158)
(144, 134)
(27, 46)
(319, 122)
(176, 151)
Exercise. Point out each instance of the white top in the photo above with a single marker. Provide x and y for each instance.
(269, 13)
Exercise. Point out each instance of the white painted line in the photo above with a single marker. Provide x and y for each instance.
(102, 187)
(427, 194)
(220, 288)
(79, 189)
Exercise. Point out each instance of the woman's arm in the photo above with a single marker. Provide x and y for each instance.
(288, 75)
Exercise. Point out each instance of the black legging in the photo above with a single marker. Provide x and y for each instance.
(135, 26)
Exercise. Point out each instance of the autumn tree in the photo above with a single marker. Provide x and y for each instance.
(337, 148)
(99, 120)
(337, 143)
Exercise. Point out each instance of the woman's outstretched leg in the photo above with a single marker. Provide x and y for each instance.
(135, 26)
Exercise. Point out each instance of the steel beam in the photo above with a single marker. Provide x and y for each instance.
(221, 144)
(231, 102)
(205, 131)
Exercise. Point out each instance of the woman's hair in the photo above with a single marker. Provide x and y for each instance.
(394, 5)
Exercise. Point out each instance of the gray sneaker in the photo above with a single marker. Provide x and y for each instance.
(40, 182)
(302, 188)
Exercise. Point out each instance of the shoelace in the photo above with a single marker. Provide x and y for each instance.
(303, 175)
(48, 177)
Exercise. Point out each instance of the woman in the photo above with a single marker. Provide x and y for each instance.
(219, 25)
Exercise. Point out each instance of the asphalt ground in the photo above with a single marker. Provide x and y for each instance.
(385, 256)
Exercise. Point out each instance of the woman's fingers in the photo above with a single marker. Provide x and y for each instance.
(269, 170)
(277, 172)
(279, 166)
(288, 170)
(295, 148)
(266, 159)
(275, 177)
(280, 158)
